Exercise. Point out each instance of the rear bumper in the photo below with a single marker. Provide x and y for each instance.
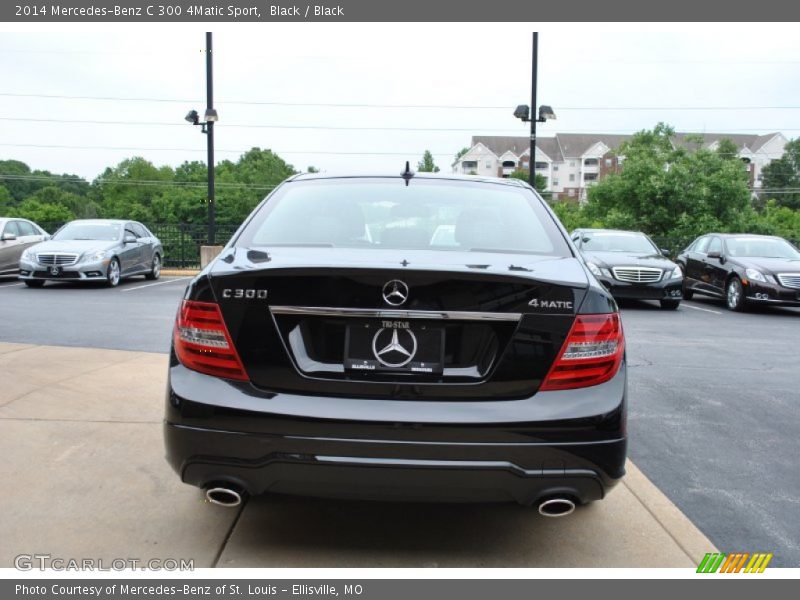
(556, 443)
(671, 289)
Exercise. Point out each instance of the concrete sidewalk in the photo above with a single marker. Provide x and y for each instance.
(80, 436)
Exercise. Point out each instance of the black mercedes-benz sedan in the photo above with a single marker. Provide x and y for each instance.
(744, 269)
(630, 265)
(338, 348)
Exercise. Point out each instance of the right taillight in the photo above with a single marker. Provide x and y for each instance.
(202, 342)
(590, 355)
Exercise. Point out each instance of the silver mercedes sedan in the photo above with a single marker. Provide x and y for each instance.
(93, 250)
(15, 236)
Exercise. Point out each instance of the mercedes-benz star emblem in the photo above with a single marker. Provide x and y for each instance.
(393, 352)
(395, 292)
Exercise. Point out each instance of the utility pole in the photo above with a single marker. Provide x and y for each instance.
(534, 73)
(212, 209)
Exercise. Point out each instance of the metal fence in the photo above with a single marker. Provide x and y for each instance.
(182, 241)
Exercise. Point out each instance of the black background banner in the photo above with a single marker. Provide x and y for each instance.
(397, 11)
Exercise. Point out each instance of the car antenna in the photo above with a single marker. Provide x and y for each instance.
(408, 173)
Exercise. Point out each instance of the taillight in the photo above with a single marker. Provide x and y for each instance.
(202, 342)
(591, 353)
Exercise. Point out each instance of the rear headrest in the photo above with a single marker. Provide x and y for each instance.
(338, 222)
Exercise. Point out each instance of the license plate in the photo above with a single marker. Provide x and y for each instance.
(394, 346)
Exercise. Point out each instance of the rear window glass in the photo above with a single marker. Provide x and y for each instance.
(385, 213)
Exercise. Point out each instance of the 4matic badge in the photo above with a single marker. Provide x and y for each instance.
(551, 304)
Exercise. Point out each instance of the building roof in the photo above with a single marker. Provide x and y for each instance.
(752, 142)
(574, 145)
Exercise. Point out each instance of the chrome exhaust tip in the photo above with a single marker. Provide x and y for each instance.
(224, 496)
(556, 507)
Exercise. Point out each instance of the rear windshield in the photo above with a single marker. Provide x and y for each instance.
(385, 213)
(601, 241)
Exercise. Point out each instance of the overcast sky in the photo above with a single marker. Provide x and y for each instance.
(581, 69)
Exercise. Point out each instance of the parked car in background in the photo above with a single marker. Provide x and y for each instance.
(630, 265)
(93, 250)
(743, 269)
(489, 366)
(16, 235)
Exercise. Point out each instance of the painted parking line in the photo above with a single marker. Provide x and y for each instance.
(147, 285)
(716, 312)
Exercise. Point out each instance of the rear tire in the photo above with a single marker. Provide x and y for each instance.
(734, 295)
(33, 283)
(155, 271)
(670, 304)
(113, 273)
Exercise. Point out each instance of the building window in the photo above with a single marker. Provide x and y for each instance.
(590, 162)
(590, 177)
(509, 164)
(609, 162)
(555, 182)
(488, 164)
(555, 167)
(541, 165)
(572, 176)
(469, 164)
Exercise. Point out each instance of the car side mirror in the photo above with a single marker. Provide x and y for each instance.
(665, 252)
(8, 237)
(714, 254)
(129, 239)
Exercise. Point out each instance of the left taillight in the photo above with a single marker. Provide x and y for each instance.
(591, 354)
(202, 341)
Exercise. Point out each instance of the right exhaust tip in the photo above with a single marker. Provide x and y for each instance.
(223, 496)
(556, 507)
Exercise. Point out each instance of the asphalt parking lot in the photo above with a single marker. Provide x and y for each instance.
(713, 424)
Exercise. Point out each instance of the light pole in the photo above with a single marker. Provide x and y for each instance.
(210, 117)
(523, 111)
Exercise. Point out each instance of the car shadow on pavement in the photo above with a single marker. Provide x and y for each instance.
(296, 531)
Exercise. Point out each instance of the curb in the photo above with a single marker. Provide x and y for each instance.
(180, 272)
(688, 537)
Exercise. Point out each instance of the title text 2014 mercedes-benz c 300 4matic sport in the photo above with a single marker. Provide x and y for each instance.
(338, 348)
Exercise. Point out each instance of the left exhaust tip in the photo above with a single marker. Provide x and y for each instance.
(556, 507)
(224, 496)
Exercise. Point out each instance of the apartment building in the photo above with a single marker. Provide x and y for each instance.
(572, 162)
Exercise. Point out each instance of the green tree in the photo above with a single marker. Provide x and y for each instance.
(42, 213)
(426, 165)
(461, 153)
(6, 200)
(784, 174)
(539, 180)
(667, 190)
